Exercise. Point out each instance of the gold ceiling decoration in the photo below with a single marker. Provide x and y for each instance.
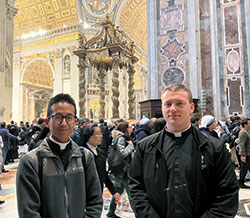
(133, 21)
(38, 73)
(34, 15)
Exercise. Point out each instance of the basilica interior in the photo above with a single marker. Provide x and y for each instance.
(111, 55)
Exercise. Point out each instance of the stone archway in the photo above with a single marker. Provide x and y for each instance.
(37, 85)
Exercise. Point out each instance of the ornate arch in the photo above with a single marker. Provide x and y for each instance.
(37, 88)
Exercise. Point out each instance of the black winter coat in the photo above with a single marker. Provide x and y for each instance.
(215, 187)
(100, 162)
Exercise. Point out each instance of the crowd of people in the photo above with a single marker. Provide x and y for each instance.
(181, 165)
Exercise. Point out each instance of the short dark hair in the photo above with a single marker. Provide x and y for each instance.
(101, 120)
(40, 121)
(3, 125)
(245, 122)
(89, 131)
(60, 98)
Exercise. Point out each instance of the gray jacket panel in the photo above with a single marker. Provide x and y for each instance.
(59, 193)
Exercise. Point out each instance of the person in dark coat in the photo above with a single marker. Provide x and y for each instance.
(106, 137)
(181, 172)
(143, 129)
(158, 125)
(93, 138)
(5, 138)
(36, 128)
(13, 143)
(208, 125)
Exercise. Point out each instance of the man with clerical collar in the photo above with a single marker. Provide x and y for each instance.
(179, 171)
(59, 179)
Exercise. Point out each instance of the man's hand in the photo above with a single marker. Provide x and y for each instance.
(243, 159)
(18, 138)
(117, 198)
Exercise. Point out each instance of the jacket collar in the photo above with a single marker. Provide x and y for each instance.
(200, 138)
(45, 150)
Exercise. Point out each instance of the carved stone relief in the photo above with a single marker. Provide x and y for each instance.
(66, 65)
(171, 19)
(173, 75)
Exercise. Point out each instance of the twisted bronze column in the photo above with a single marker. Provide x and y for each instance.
(82, 87)
(131, 91)
(115, 88)
(102, 75)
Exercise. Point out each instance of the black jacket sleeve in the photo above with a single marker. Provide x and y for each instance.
(139, 199)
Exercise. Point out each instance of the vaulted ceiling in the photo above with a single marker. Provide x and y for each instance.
(34, 15)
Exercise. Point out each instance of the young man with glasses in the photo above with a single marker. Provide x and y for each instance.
(59, 179)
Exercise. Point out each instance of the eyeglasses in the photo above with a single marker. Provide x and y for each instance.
(58, 118)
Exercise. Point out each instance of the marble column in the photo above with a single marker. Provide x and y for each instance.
(217, 80)
(2, 35)
(194, 47)
(58, 83)
(74, 76)
(115, 88)
(17, 91)
(246, 48)
(7, 13)
(153, 48)
(82, 86)
(131, 92)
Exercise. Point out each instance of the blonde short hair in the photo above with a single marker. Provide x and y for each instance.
(177, 87)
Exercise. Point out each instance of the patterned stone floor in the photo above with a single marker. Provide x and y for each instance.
(9, 208)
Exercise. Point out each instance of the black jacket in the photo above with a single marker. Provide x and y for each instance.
(100, 162)
(215, 187)
(141, 132)
(208, 132)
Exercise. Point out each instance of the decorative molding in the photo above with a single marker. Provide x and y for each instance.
(58, 53)
(10, 13)
(20, 46)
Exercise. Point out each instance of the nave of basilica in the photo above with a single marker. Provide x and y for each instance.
(112, 55)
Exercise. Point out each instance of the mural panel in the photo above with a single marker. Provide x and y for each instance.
(231, 25)
(234, 96)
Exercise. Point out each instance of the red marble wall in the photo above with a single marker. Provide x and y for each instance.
(206, 63)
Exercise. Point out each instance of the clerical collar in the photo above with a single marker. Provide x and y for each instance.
(92, 148)
(61, 145)
(178, 134)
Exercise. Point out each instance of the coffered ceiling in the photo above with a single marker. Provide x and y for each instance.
(133, 20)
(35, 15)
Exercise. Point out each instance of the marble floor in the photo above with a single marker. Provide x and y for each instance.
(9, 208)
